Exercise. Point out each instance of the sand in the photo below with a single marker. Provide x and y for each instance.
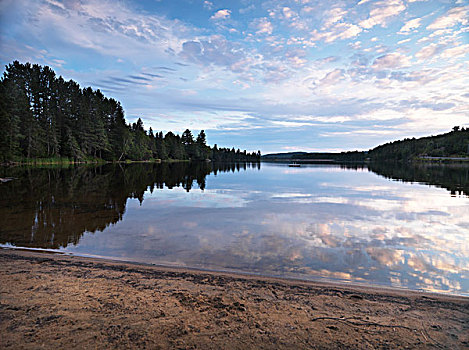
(57, 301)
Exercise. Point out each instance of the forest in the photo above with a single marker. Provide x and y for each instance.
(452, 144)
(45, 117)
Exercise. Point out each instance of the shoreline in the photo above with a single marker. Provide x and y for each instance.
(80, 302)
(38, 162)
(319, 281)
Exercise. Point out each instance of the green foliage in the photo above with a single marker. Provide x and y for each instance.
(451, 144)
(9, 120)
(45, 117)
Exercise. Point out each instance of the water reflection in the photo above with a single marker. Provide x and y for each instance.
(53, 207)
(311, 222)
(453, 177)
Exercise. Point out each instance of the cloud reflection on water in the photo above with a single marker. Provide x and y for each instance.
(354, 226)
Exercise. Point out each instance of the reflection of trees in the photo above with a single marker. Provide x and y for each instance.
(53, 207)
(453, 177)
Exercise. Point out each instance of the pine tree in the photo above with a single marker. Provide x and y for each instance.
(202, 150)
(9, 120)
(161, 150)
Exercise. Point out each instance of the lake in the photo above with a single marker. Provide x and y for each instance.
(382, 225)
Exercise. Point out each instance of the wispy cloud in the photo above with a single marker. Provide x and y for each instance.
(208, 5)
(391, 60)
(339, 31)
(332, 78)
(429, 51)
(457, 15)
(382, 12)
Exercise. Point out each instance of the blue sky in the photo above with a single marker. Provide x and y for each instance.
(278, 76)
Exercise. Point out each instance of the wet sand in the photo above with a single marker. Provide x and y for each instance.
(62, 302)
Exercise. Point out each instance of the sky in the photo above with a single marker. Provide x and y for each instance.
(273, 75)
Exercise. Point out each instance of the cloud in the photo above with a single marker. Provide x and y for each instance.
(286, 16)
(355, 45)
(216, 50)
(296, 57)
(288, 13)
(403, 41)
(126, 81)
(208, 5)
(105, 27)
(263, 26)
(410, 25)
(221, 14)
(331, 119)
(385, 256)
(333, 16)
(339, 31)
(165, 69)
(457, 15)
(247, 9)
(332, 78)
(382, 12)
(329, 59)
(391, 60)
(429, 51)
(456, 51)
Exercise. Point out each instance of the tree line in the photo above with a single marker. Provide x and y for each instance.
(452, 144)
(45, 116)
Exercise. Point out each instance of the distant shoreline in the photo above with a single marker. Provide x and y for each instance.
(439, 160)
(40, 162)
(436, 160)
(444, 159)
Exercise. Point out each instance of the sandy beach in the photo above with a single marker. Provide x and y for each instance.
(58, 301)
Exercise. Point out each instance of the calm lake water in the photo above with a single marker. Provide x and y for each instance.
(388, 225)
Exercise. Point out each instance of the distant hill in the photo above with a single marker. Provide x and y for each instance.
(289, 155)
(354, 156)
(452, 145)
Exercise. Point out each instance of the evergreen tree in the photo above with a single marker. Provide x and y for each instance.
(161, 151)
(202, 150)
(187, 138)
(9, 120)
